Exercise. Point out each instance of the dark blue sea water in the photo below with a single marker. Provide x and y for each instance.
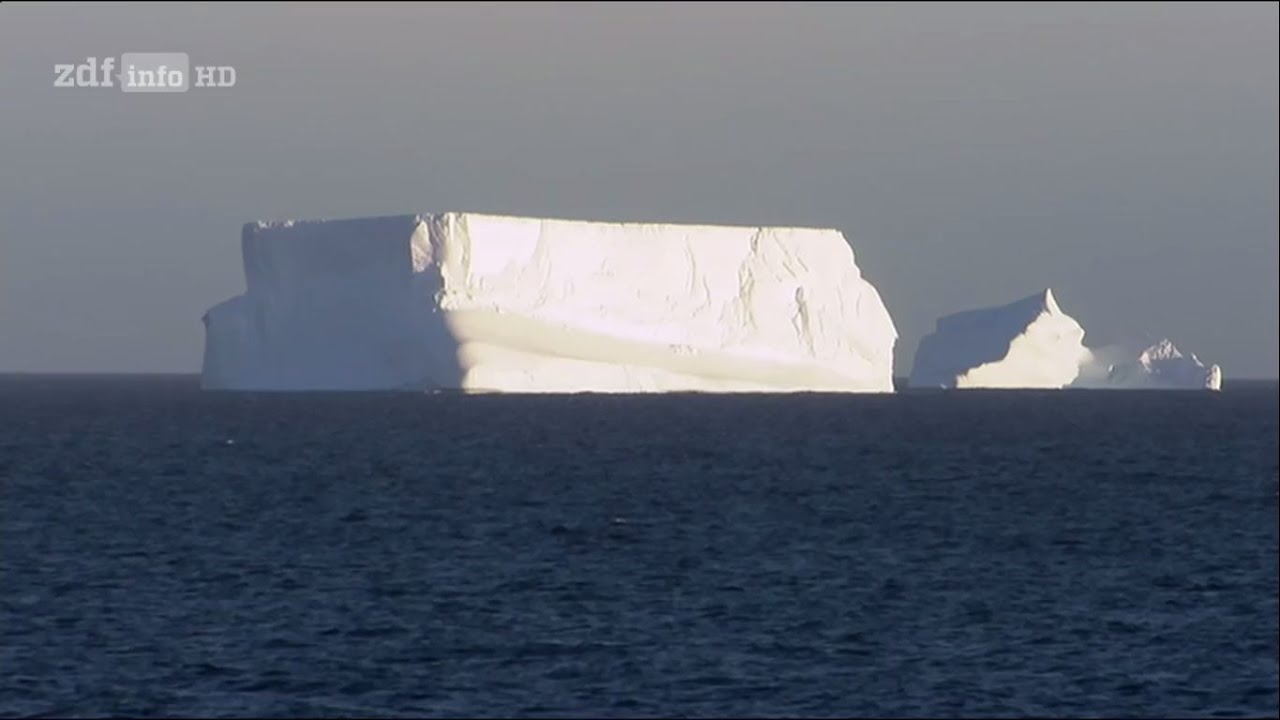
(169, 552)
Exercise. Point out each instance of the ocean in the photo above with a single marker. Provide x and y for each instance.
(170, 552)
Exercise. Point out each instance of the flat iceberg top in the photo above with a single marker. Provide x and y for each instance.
(429, 217)
(1028, 343)
(468, 300)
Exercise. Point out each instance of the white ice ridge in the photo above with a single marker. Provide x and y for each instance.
(1160, 366)
(491, 303)
(1030, 343)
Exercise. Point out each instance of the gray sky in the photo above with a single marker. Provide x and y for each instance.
(1124, 155)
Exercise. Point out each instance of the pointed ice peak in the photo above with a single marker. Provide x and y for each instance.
(1040, 302)
(1161, 365)
(1163, 350)
(1050, 303)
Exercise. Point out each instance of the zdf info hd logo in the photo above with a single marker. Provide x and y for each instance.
(145, 73)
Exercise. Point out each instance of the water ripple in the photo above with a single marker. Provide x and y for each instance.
(374, 555)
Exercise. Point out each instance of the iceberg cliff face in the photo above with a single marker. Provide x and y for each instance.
(1160, 366)
(1030, 343)
(490, 303)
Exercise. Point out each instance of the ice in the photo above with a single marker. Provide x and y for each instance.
(1159, 366)
(1030, 343)
(464, 301)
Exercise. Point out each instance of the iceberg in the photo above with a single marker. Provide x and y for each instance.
(1030, 343)
(1160, 366)
(489, 303)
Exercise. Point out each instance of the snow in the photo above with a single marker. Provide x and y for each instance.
(1159, 366)
(1030, 343)
(507, 304)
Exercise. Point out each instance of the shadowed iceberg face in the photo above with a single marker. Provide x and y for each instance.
(326, 308)
(492, 303)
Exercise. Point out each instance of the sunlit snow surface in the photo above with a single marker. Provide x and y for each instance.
(489, 303)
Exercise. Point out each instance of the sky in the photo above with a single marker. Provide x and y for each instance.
(1124, 155)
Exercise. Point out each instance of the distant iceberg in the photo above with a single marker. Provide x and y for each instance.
(1160, 366)
(473, 302)
(1030, 343)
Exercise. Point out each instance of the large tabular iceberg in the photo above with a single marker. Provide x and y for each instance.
(490, 303)
(1030, 343)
